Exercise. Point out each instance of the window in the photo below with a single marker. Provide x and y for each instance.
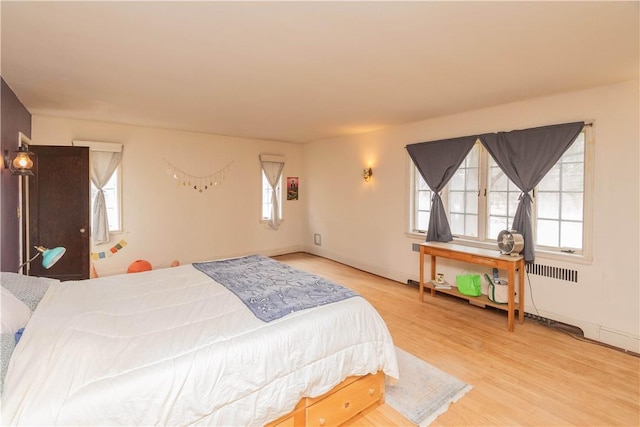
(502, 200)
(463, 196)
(105, 158)
(422, 202)
(481, 201)
(112, 199)
(266, 198)
(560, 201)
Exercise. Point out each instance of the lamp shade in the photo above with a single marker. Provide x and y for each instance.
(22, 164)
(51, 256)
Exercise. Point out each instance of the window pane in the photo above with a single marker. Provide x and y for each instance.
(496, 225)
(513, 203)
(549, 205)
(571, 235)
(551, 181)
(575, 153)
(502, 201)
(462, 198)
(572, 177)
(457, 224)
(266, 203)
(456, 202)
(424, 200)
(498, 203)
(422, 184)
(472, 158)
(472, 178)
(572, 206)
(499, 180)
(548, 233)
(471, 225)
(422, 221)
(472, 202)
(457, 181)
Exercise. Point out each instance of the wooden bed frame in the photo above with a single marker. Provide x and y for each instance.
(338, 405)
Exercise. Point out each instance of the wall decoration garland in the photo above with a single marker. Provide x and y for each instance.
(112, 251)
(198, 183)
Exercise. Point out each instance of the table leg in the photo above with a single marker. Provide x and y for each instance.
(521, 274)
(511, 286)
(433, 273)
(421, 274)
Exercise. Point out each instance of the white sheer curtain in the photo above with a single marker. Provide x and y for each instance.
(272, 167)
(105, 158)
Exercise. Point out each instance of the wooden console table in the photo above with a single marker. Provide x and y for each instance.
(486, 257)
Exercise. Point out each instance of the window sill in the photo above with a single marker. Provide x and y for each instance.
(266, 221)
(544, 254)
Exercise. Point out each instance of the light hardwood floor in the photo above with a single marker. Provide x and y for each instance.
(535, 376)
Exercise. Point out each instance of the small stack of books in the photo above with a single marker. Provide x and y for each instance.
(441, 285)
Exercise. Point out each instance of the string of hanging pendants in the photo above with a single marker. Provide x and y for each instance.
(198, 183)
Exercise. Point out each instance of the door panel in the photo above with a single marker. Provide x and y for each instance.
(59, 210)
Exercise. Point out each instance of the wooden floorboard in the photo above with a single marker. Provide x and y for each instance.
(535, 376)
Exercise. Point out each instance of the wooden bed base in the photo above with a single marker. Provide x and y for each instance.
(338, 405)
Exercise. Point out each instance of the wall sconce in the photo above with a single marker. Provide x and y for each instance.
(366, 174)
(49, 256)
(22, 162)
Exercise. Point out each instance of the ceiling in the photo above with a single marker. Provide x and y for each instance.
(305, 71)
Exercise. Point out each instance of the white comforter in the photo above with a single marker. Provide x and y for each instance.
(173, 347)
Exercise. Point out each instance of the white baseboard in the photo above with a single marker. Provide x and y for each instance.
(283, 251)
(620, 340)
(397, 276)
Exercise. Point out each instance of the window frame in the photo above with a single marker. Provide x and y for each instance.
(579, 256)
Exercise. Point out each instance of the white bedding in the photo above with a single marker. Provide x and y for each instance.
(173, 347)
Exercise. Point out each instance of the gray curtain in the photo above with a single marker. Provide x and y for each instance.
(526, 156)
(437, 162)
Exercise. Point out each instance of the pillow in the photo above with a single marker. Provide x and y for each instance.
(14, 313)
(28, 289)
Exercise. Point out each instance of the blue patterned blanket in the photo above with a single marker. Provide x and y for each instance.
(271, 289)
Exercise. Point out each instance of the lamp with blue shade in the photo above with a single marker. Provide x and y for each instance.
(49, 256)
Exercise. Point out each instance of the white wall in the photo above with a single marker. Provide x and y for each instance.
(163, 221)
(364, 225)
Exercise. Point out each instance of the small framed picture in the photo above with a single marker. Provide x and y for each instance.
(292, 188)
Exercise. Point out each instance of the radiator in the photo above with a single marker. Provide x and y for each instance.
(559, 273)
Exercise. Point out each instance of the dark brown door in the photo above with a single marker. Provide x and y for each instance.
(59, 210)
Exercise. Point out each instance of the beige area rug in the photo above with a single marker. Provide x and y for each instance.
(423, 392)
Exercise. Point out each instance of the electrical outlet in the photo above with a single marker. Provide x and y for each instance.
(415, 247)
(317, 239)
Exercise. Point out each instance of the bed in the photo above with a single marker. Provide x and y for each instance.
(176, 347)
